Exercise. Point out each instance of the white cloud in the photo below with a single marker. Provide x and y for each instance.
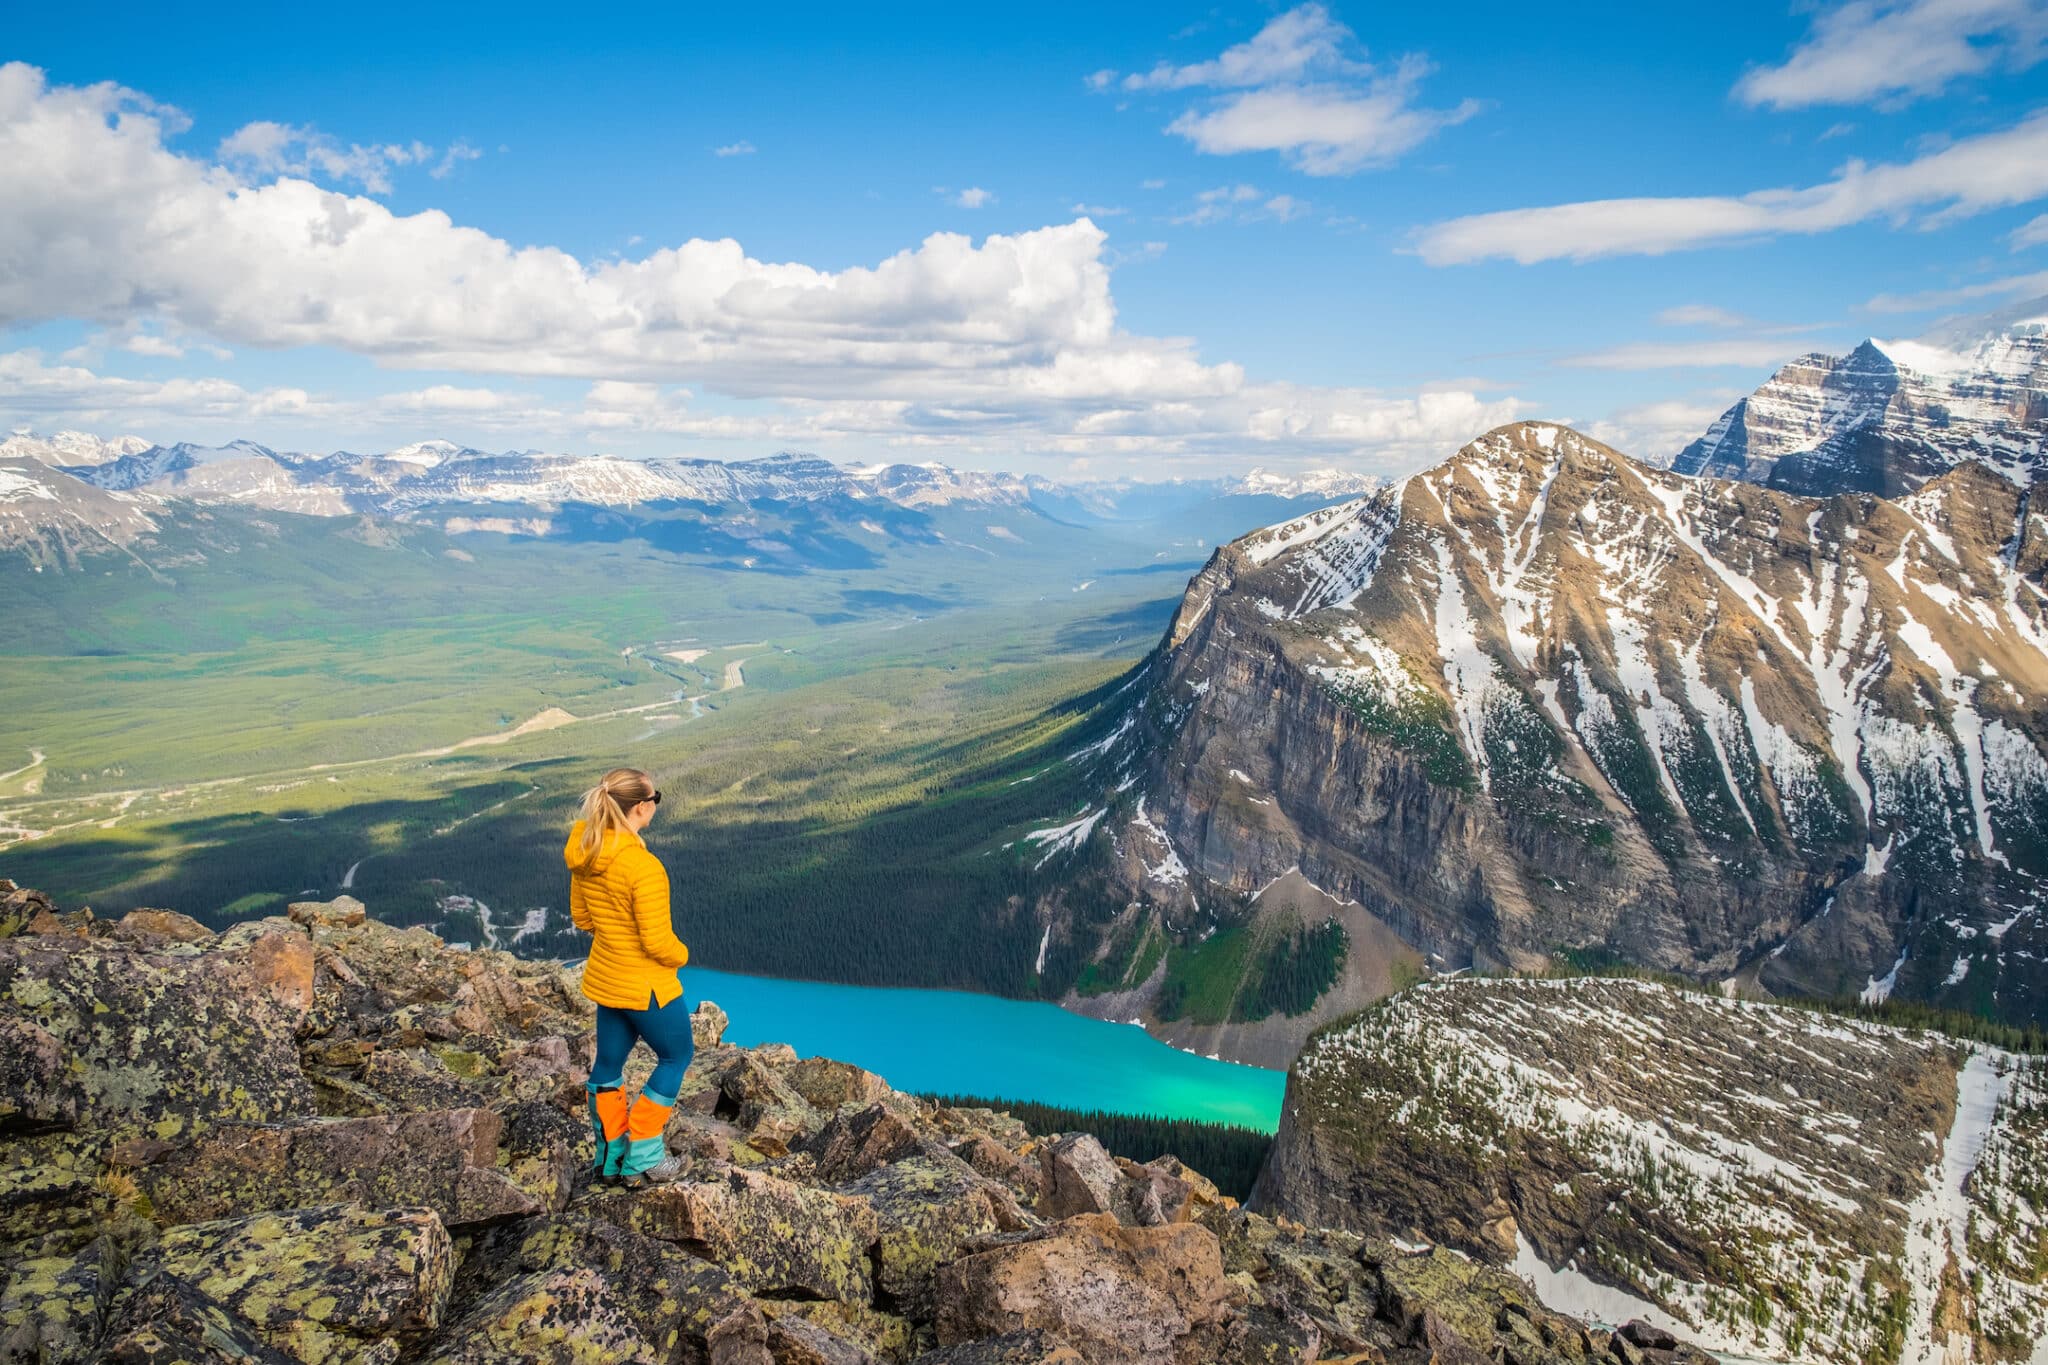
(1679, 355)
(974, 197)
(1008, 343)
(2033, 232)
(1325, 129)
(1302, 39)
(1892, 51)
(1658, 431)
(740, 148)
(265, 148)
(1964, 178)
(1293, 90)
(1241, 204)
(1098, 210)
(457, 153)
(1152, 185)
(1701, 315)
(1926, 301)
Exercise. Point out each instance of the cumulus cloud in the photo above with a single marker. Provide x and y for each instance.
(740, 148)
(942, 343)
(974, 197)
(1966, 177)
(1892, 51)
(1293, 89)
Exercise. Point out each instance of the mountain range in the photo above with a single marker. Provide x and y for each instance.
(1546, 702)
(1892, 414)
(461, 489)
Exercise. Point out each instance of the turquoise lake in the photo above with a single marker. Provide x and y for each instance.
(956, 1042)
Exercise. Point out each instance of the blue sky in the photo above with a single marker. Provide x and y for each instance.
(1168, 240)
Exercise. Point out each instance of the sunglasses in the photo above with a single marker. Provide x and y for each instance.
(656, 798)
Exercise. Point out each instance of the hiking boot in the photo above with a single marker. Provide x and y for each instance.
(664, 1172)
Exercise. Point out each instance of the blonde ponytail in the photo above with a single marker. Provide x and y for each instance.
(606, 804)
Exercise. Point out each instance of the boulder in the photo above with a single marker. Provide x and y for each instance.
(160, 926)
(928, 1212)
(1079, 1176)
(707, 1025)
(446, 1160)
(335, 1283)
(850, 1146)
(773, 1236)
(343, 912)
(763, 1106)
(1150, 1196)
(826, 1084)
(167, 1042)
(992, 1159)
(1120, 1295)
(885, 1336)
(19, 906)
(550, 1317)
(167, 1321)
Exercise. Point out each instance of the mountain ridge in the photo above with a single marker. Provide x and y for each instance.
(1546, 699)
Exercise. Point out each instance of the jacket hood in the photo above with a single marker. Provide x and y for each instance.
(615, 843)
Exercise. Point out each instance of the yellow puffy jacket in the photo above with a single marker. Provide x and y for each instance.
(619, 895)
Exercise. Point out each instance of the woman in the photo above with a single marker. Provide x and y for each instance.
(618, 893)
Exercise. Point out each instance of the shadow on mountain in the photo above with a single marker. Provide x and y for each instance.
(1130, 630)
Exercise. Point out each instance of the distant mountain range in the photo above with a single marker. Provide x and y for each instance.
(1892, 414)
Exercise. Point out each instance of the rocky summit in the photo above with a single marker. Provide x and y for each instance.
(1891, 415)
(319, 1138)
(1767, 1181)
(1544, 700)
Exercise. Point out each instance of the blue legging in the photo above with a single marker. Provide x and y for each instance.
(665, 1028)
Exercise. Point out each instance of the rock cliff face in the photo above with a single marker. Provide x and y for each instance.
(1545, 700)
(1889, 416)
(320, 1139)
(1767, 1181)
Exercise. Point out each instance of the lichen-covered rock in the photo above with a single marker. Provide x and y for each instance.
(885, 1336)
(343, 912)
(166, 1042)
(18, 906)
(52, 1201)
(740, 1338)
(764, 1106)
(771, 1235)
(928, 1211)
(1123, 1296)
(707, 1025)
(550, 1317)
(53, 1308)
(850, 1146)
(1149, 1196)
(167, 1321)
(798, 1341)
(446, 1160)
(1010, 1348)
(37, 1088)
(1080, 1176)
(146, 926)
(999, 1163)
(826, 1084)
(336, 1283)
